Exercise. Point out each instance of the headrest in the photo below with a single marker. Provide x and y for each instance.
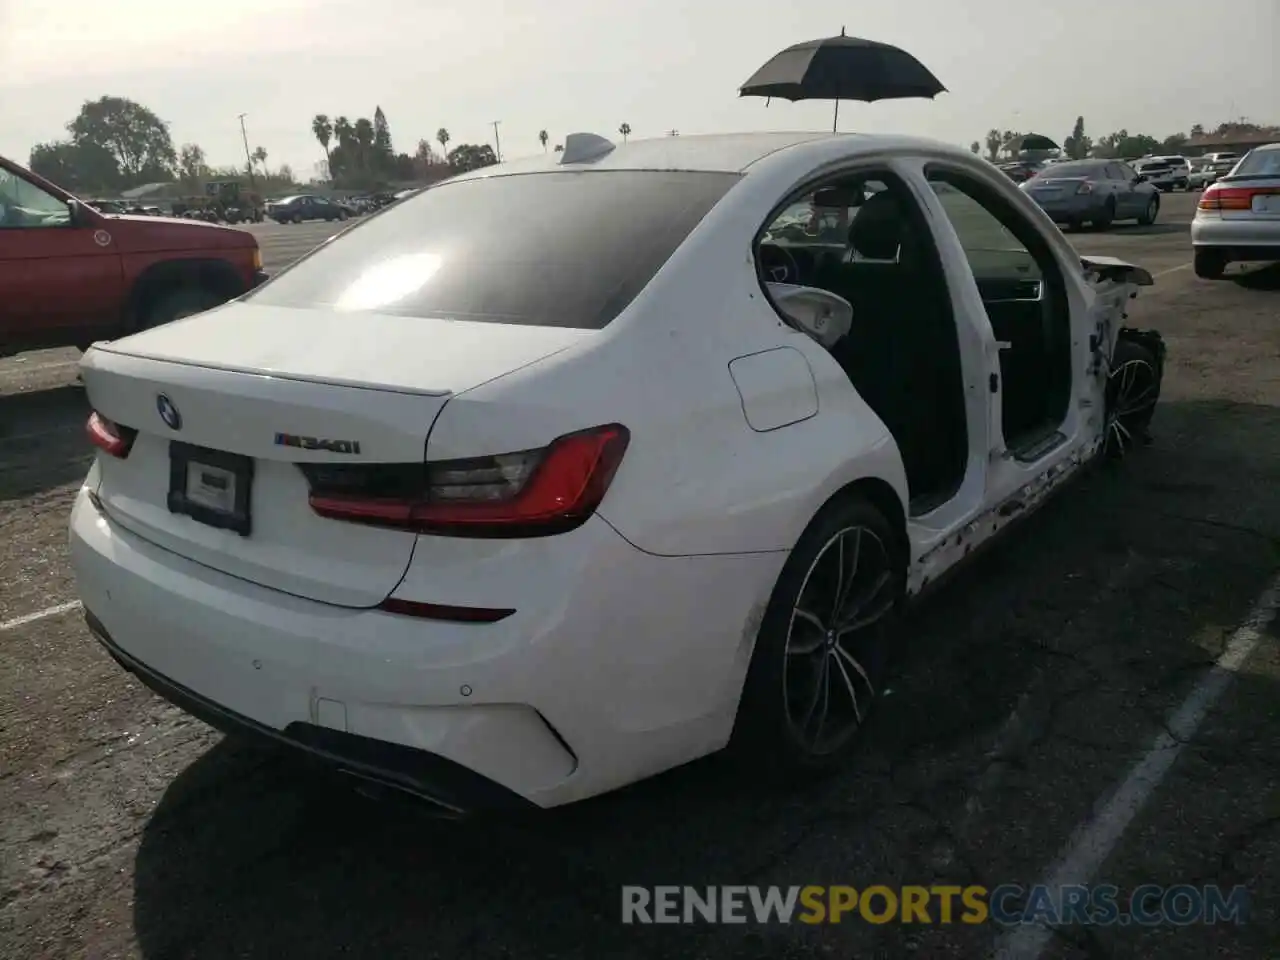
(879, 227)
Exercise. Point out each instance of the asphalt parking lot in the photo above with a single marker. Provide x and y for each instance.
(1027, 694)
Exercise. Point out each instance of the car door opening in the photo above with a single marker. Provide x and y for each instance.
(1024, 295)
(862, 238)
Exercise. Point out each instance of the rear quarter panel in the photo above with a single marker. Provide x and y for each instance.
(696, 479)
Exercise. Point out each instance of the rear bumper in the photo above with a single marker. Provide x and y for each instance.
(1075, 208)
(1238, 239)
(612, 669)
(452, 788)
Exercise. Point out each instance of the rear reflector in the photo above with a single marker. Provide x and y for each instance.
(530, 493)
(109, 437)
(440, 611)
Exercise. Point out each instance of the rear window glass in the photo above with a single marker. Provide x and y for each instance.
(1259, 163)
(563, 249)
(1072, 170)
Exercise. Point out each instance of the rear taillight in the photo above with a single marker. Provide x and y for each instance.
(109, 437)
(1219, 197)
(531, 493)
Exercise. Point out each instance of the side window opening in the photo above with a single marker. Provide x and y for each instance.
(863, 238)
(1024, 295)
(23, 204)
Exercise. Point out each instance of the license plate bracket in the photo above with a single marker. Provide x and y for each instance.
(211, 486)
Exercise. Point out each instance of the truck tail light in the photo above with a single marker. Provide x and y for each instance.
(531, 493)
(109, 437)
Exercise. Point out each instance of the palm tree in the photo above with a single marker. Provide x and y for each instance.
(364, 136)
(542, 139)
(442, 135)
(260, 156)
(559, 148)
(342, 131)
(323, 131)
(625, 130)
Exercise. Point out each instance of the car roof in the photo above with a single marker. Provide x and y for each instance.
(715, 153)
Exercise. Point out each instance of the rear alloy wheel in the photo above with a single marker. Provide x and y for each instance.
(1108, 215)
(1209, 264)
(821, 650)
(1133, 388)
(1149, 215)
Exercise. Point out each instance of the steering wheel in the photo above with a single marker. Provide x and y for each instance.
(776, 264)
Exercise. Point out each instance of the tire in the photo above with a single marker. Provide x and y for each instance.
(1108, 215)
(1133, 389)
(297, 218)
(797, 661)
(1149, 215)
(178, 304)
(1209, 264)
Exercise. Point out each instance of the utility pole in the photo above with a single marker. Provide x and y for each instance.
(497, 144)
(248, 157)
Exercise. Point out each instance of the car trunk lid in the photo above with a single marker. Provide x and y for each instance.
(1244, 198)
(237, 399)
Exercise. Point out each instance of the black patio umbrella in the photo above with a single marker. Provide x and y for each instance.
(843, 68)
(1032, 141)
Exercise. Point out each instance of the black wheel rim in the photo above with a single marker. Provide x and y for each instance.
(833, 649)
(1131, 393)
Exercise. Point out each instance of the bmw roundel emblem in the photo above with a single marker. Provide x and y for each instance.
(168, 412)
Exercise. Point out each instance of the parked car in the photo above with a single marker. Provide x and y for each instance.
(439, 525)
(1238, 217)
(1098, 191)
(70, 274)
(306, 207)
(1202, 174)
(1021, 171)
(1164, 173)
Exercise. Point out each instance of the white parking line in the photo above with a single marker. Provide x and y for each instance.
(1093, 841)
(1165, 273)
(39, 615)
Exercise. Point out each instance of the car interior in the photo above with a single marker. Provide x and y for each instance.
(865, 240)
(1026, 304)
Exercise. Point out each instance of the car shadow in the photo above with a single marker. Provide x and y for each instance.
(1140, 230)
(1106, 594)
(1259, 278)
(42, 441)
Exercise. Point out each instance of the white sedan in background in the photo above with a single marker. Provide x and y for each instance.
(517, 516)
(1238, 217)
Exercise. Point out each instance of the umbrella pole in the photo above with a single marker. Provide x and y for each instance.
(835, 121)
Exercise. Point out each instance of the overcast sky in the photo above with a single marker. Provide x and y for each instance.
(1155, 66)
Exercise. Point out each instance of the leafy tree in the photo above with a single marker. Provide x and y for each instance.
(542, 139)
(137, 139)
(625, 130)
(384, 156)
(192, 166)
(1173, 143)
(1077, 146)
(559, 148)
(470, 156)
(975, 147)
(56, 161)
(1197, 130)
(993, 143)
(443, 138)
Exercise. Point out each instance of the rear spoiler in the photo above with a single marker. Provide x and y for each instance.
(1109, 268)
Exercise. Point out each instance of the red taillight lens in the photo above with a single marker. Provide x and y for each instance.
(526, 494)
(109, 437)
(1218, 197)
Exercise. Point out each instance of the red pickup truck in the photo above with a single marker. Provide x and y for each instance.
(70, 275)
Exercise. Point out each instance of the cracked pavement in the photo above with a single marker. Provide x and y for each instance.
(1024, 690)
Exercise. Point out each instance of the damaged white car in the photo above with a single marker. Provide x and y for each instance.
(497, 514)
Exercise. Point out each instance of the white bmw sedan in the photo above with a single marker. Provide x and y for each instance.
(565, 472)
